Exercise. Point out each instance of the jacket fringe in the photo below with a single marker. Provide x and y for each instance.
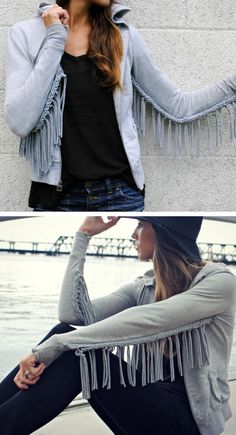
(191, 347)
(39, 147)
(181, 137)
(174, 136)
(145, 353)
(81, 301)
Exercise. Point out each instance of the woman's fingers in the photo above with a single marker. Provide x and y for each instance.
(21, 372)
(18, 382)
(95, 224)
(35, 371)
(55, 14)
(30, 380)
(27, 364)
(41, 369)
(23, 382)
(64, 17)
(31, 377)
(112, 221)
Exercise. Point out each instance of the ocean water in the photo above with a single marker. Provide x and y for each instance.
(29, 293)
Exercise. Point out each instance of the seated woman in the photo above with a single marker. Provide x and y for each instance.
(151, 357)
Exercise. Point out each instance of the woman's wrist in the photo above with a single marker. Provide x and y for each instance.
(86, 230)
(48, 350)
(36, 355)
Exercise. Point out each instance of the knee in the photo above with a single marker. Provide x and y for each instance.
(57, 329)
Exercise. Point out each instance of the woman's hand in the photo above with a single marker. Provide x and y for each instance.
(55, 15)
(29, 363)
(96, 225)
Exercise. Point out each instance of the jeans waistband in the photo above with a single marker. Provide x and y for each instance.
(104, 183)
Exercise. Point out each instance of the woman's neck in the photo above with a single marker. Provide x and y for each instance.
(79, 14)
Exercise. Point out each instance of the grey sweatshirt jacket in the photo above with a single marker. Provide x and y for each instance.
(35, 80)
(200, 320)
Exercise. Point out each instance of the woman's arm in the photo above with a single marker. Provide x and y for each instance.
(177, 105)
(71, 310)
(28, 84)
(102, 307)
(211, 296)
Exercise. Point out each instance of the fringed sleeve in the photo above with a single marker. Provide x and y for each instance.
(70, 309)
(190, 343)
(28, 79)
(35, 95)
(177, 115)
(42, 145)
(182, 319)
(75, 306)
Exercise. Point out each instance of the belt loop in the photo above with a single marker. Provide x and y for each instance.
(108, 185)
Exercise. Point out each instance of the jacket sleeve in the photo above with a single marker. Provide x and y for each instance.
(28, 83)
(211, 296)
(178, 104)
(70, 307)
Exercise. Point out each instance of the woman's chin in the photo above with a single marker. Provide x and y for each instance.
(141, 257)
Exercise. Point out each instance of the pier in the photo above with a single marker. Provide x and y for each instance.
(110, 247)
(102, 247)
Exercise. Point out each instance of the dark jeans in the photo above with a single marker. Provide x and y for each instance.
(150, 410)
(111, 194)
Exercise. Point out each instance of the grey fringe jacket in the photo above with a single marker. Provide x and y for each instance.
(36, 88)
(200, 321)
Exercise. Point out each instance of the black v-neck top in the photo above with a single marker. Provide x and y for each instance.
(92, 146)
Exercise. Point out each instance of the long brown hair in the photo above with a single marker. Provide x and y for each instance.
(105, 45)
(174, 272)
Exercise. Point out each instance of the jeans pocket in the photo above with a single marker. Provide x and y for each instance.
(124, 198)
(129, 193)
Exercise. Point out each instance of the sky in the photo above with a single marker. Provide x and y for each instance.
(49, 228)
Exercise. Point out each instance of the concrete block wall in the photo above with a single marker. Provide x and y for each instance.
(194, 43)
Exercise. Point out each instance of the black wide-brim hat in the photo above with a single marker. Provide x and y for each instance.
(183, 231)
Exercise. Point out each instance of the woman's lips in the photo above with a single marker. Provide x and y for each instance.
(136, 246)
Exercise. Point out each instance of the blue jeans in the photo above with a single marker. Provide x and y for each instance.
(129, 410)
(110, 194)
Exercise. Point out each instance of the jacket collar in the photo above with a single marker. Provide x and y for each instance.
(117, 10)
(210, 267)
(149, 277)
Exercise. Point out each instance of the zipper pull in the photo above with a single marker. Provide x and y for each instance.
(59, 186)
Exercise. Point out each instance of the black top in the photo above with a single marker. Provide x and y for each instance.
(92, 146)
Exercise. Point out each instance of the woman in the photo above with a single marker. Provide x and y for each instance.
(179, 320)
(85, 76)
